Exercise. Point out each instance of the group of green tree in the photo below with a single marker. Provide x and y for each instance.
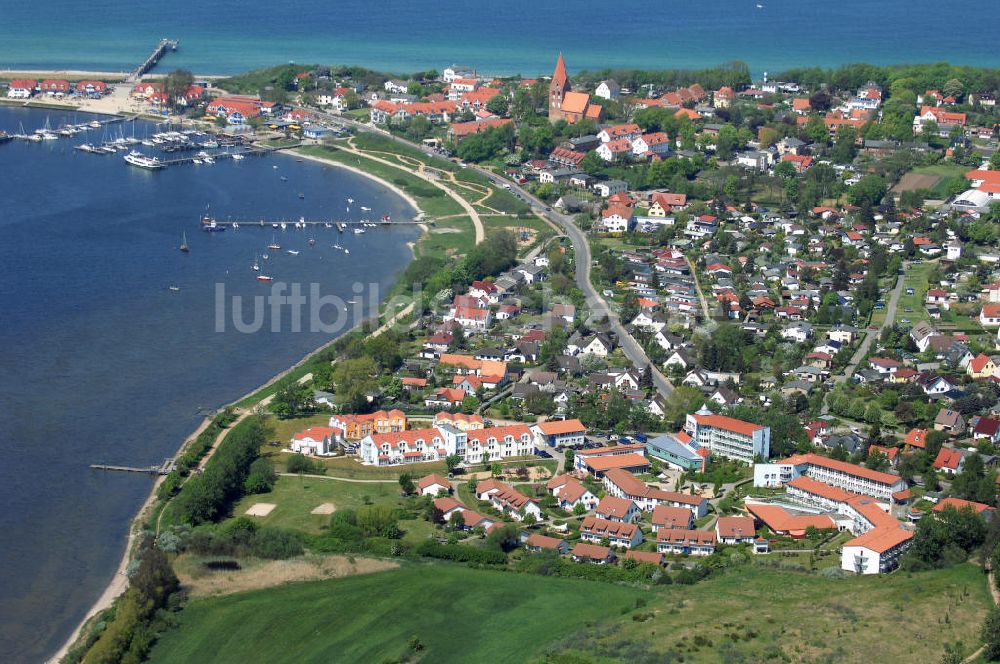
(206, 497)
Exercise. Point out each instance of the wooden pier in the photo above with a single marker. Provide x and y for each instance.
(161, 469)
(161, 49)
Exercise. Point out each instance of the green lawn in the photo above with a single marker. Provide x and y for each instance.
(458, 614)
(448, 237)
(764, 615)
(949, 174)
(749, 614)
(296, 497)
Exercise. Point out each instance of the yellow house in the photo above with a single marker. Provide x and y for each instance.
(981, 366)
(657, 210)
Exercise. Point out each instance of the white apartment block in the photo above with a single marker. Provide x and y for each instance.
(728, 437)
(436, 443)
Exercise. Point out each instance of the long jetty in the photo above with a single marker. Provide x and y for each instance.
(161, 49)
(160, 469)
(331, 223)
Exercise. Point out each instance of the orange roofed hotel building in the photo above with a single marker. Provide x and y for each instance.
(355, 427)
(564, 104)
(728, 437)
(436, 443)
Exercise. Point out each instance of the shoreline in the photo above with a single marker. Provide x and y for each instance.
(119, 583)
(81, 74)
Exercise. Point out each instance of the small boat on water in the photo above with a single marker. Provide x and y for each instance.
(236, 225)
(312, 242)
(347, 251)
(209, 160)
(95, 125)
(207, 220)
(293, 252)
(213, 228)
(366, 209)
(386, 219)
(274, 246)
(301, 223)
(328, 225)
(184, 244)
(256, 266)
(359, 231)
(301, 195)
(340, 227)
(175, 289)
(350, 201)
(237, 156)
(283, 225)
(196, 161)
(264, 277)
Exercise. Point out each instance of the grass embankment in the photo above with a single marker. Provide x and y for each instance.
(458, 614)
(431, 200)
(464, 615)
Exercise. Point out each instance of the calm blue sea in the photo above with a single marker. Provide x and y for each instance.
(516, 36)
(101, 362)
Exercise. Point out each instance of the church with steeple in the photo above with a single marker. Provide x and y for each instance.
(564, 103)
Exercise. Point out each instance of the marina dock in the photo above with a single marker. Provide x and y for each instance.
(162, 469)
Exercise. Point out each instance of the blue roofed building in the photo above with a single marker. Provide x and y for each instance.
(678, 450)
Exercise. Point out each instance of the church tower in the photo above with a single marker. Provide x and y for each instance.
(558, 88)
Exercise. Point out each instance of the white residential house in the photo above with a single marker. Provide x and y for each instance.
(609, 188)
(608, 90)
(319, 441)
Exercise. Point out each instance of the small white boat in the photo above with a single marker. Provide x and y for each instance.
(293, 252)
(366, 209)
(209, 160)
(238, 156)
(175, 288)
(284, 225)
(196, 161)
(328, 225)
(264, 277)
(359, 231)
(256, 265)
(350, 200)
(347, 251)
(275, 167)
(236, 225)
